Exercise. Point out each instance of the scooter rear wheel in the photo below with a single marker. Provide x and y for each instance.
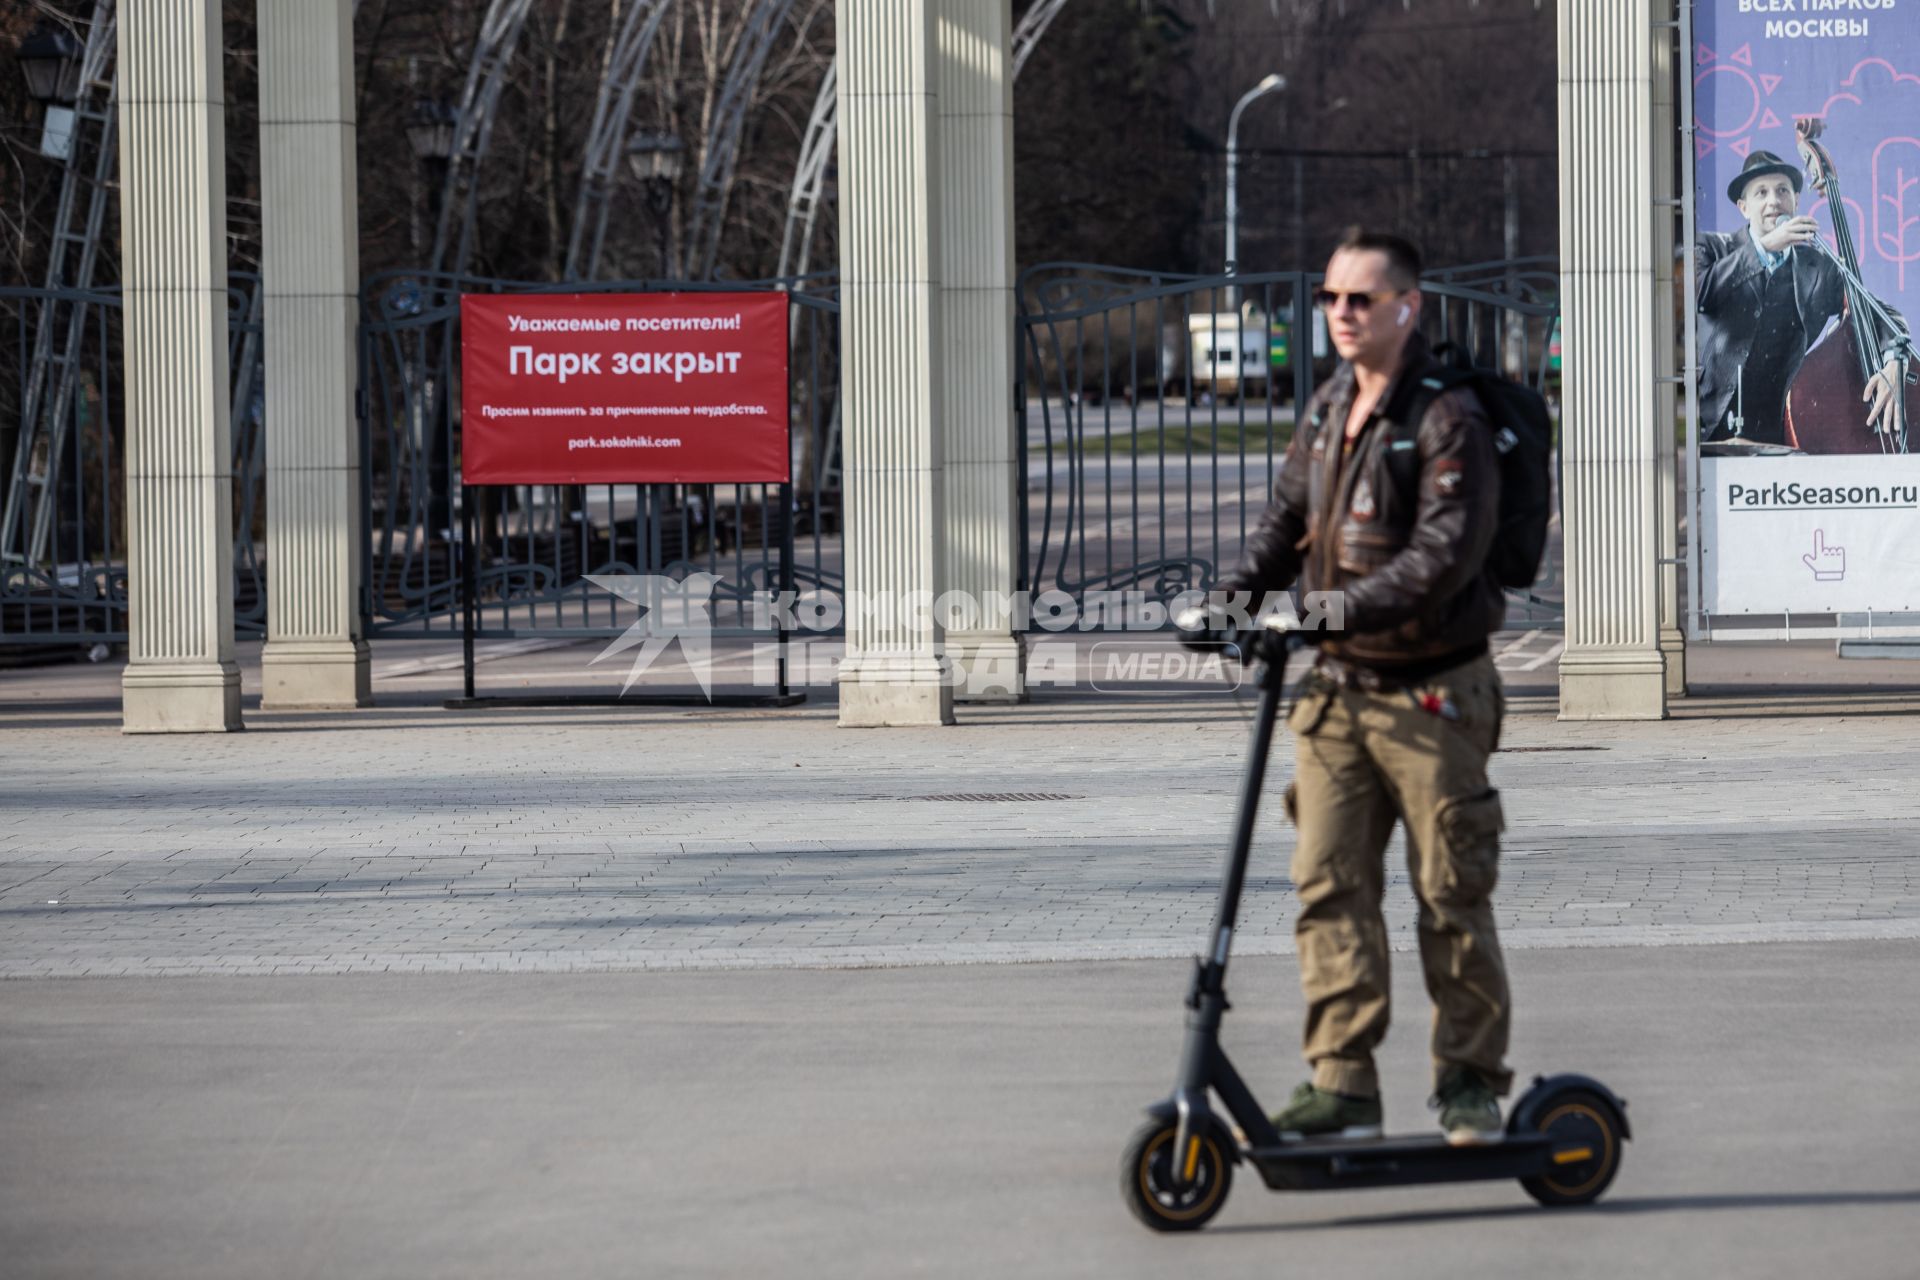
(1147, 1181)
(1577, 1120)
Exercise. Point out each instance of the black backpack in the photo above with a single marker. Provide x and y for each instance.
(1523, 442)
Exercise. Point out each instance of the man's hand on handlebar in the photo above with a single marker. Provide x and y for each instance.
(1209, 629)
(1205, 628)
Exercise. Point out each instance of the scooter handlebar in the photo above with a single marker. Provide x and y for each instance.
(1270, 640)
(1271, 643)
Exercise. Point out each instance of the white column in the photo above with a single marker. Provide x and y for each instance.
(894, 672)
(1667, 398)
(1612, 668)
(315, 655)
(976, 322)
(182, 677)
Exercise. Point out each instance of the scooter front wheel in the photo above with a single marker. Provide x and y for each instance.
(1149, 1186)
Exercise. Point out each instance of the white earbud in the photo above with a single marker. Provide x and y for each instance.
(1406, 309)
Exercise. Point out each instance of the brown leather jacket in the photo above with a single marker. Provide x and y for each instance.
(1418, 597)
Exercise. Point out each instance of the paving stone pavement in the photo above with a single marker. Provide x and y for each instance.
(408, 838)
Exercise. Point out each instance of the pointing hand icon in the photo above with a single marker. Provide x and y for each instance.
(1829, 564)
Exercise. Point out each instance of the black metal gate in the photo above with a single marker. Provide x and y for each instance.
(1155, 409)
(63, 536)
(537, 544)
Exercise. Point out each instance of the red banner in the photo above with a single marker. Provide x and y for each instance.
(624, 388)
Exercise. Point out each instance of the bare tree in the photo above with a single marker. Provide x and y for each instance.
(1389, 117)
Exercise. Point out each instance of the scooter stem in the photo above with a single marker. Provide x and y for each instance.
(1273, 678)
(1202, 1065)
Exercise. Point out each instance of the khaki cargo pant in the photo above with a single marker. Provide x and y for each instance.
(1365, 759)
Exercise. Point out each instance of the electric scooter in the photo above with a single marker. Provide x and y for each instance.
(1563, 1137)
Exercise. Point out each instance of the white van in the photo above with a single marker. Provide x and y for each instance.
(1225, 355)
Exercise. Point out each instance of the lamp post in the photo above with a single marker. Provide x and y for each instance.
(430, 128)
(656, 160)
(50, 59)
(1271, 84)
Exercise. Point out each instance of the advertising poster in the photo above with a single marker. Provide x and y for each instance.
(1806, 267)
(613, 388)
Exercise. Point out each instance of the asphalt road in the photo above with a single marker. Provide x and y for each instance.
(954, 1121)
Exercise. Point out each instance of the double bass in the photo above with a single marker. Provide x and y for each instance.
(1826, 406)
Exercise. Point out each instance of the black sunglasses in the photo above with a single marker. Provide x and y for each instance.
(1328, 299)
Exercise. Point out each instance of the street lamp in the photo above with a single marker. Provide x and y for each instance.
(656, 160)
(50, 59)
(1271, 84)
(430, 127)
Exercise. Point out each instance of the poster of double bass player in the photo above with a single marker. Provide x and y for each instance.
(1806, 269)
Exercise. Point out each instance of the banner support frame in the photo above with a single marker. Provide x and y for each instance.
(469, 589)
(783, 694)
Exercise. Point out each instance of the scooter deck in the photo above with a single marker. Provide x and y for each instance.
(1399, 1161)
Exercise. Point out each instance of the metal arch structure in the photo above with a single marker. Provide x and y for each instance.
(723, 143)
(53, 378)
(810, 176)
(817, 148)
(1032, 25)
(607, 136)
(487, 73)
(613, 118)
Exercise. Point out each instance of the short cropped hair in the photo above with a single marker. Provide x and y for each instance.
(1403, 260)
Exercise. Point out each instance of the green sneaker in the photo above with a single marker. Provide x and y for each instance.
(1320, 1113)
(1469, 1111)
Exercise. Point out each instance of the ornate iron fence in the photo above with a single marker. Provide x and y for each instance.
(67, 480)
(537, 544)
(1148, 453)
(1155, 409)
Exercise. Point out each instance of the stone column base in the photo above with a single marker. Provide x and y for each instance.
(1673, 648)
(299, 675)
(1610, 685)
(989, 666)
(180, 698)
(879, 691)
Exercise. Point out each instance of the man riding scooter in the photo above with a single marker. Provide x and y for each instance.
(1402, 709)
